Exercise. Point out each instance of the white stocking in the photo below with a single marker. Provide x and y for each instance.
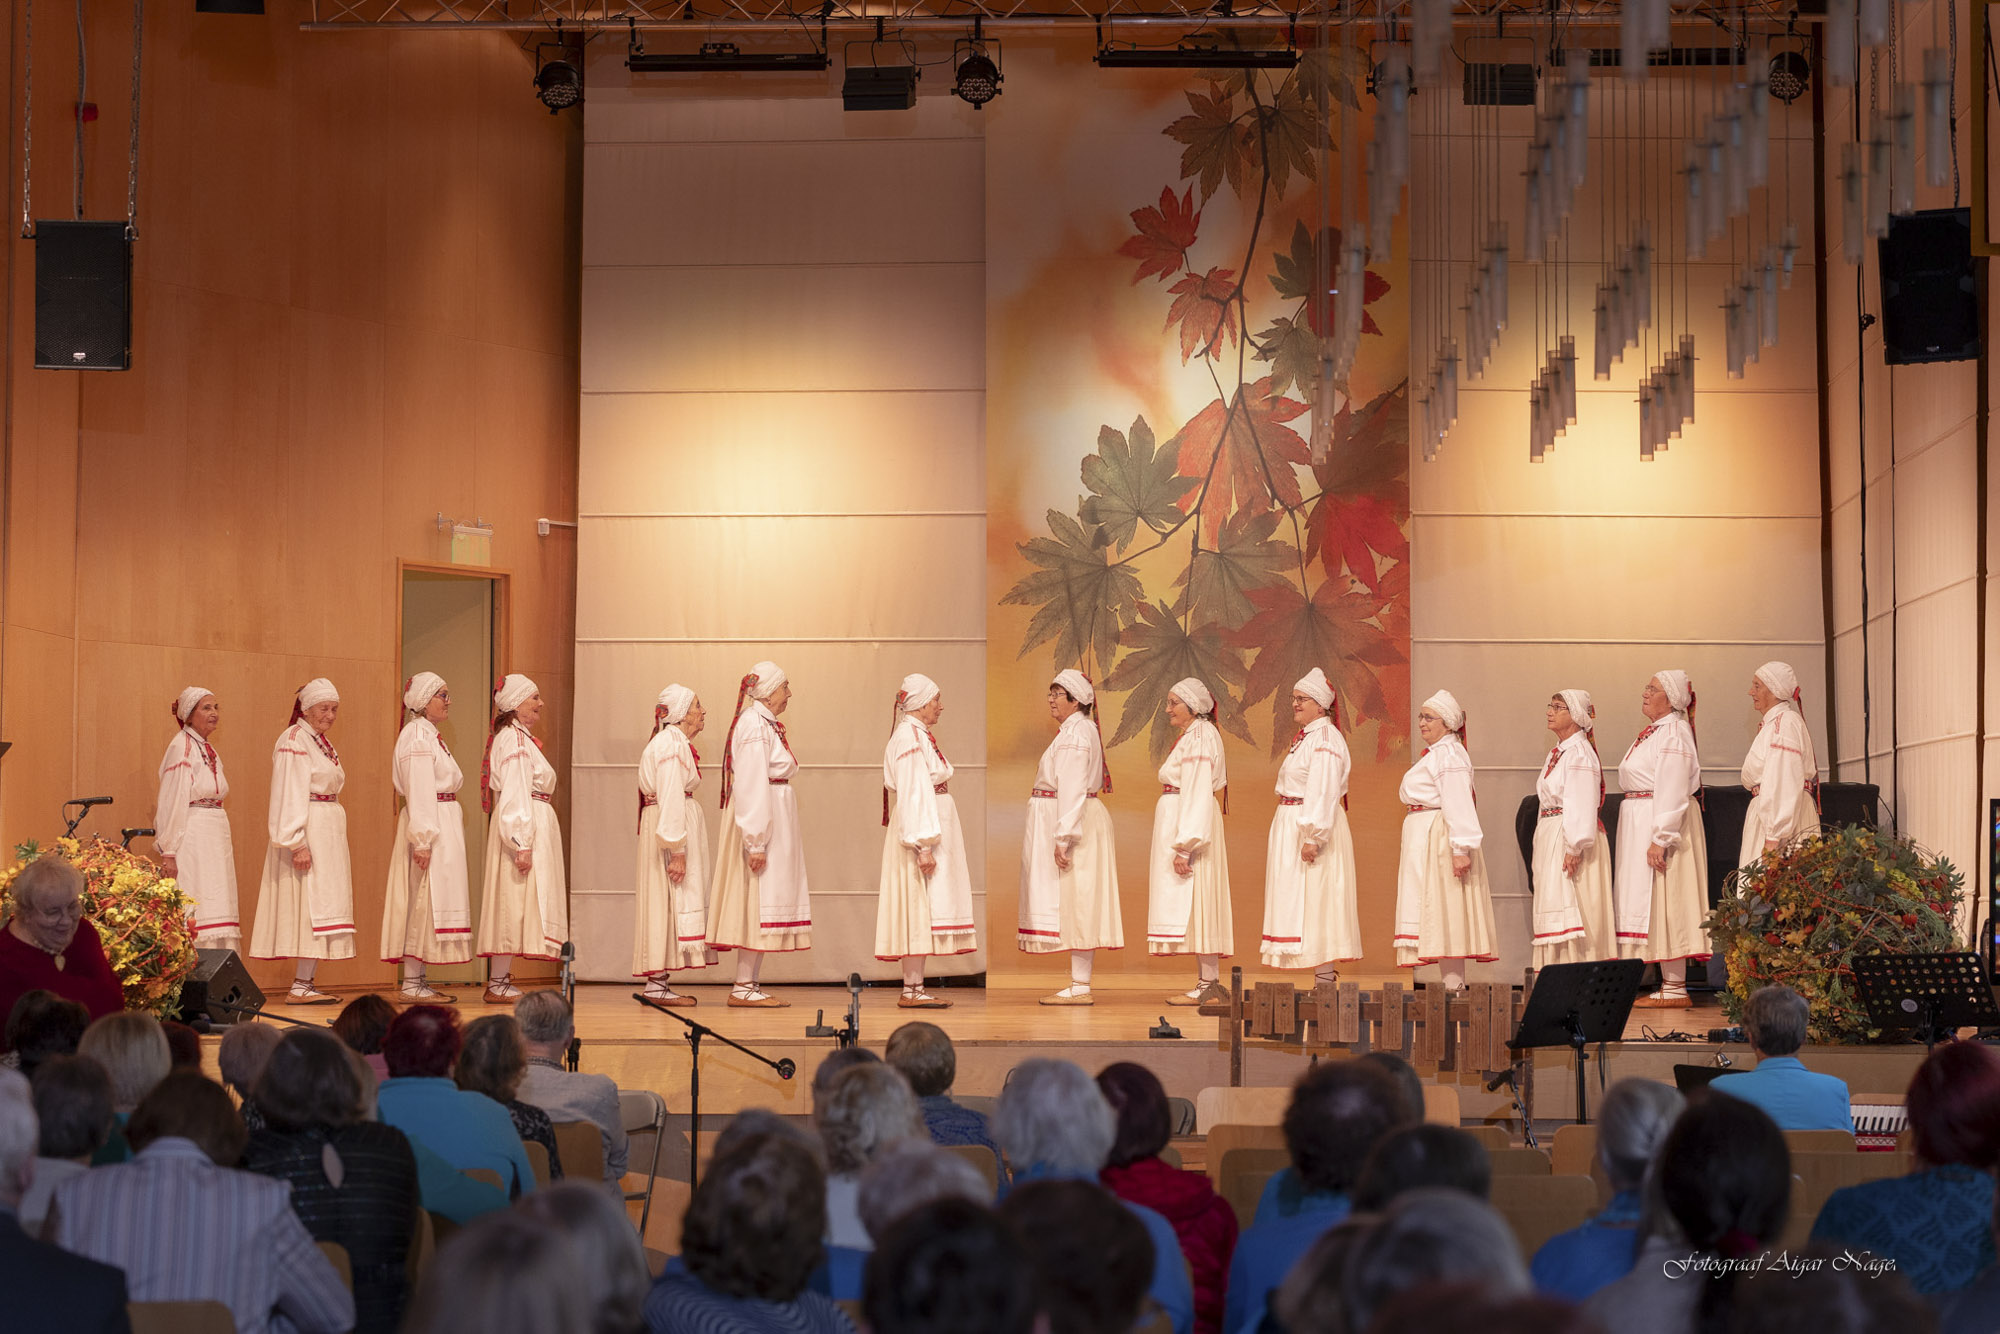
(1208, 968)
(913, 972)
(1454, 973)
(500, 966)
(1079, 969)
(1325, 975)
(304, 975)
(1673, 977)
(749, 963)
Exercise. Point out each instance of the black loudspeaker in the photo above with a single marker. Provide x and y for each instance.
(219, 981)
(83, 296)
(1930, 309)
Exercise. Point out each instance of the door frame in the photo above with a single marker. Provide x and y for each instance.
(503, 624)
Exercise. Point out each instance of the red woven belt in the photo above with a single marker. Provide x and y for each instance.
(447, 796)
(206, 804)
(1418, 809)
(1552, 810)
(1638, 794)
(545, 796)
(1050, 792)
(1291, 801)
(324, 796)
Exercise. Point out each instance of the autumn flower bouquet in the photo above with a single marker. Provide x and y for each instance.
(1801, 915)
(140, 915)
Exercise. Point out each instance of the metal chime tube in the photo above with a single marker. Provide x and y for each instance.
(1903, 151)
(1937, 117)
(1838, 34)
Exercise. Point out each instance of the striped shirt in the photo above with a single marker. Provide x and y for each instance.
(185, 1230)
(680, 1303)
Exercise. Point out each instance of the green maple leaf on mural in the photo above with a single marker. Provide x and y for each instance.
(1335, 74)
(1290, 136)
(1215, 147)
(1160, 654)
(1217, 583)
(1331, 631)
(1132, 483)
(1293, 352)
(1080, 598)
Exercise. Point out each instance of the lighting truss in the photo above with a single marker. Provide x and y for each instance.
(792, 15)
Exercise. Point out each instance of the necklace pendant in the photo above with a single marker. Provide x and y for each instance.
(61, 962)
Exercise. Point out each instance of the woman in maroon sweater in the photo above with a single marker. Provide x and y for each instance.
(47, 945)
(1136, 1173)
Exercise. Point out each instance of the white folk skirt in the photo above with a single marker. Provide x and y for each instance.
(909, 909)
(1311, 915)
(301, 915)
(1085, 896)
(409, 930)
(1594, 935)
(1188, 915)
(1756, 829)
(736, 905)
(670, 922)
(1439, 916)
(207, 875)
(524, 915)
(1660, 913)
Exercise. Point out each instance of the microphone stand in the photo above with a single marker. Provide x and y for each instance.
(697, 1030)
(257, 1012)
(574, 1054)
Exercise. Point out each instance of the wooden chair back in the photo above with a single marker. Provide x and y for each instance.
(1538, 1207)
(180, 1318)
(423, 1245)
(1819, 1141)
(1518, 1162)
(538, 1161)
(336, 1255)
(981, 1158)
(1491, 1138)
(1573, 1153)
(582, 1150)
(1229, 1135)
(1240, 1107)
(1816, 1175)
(486, 1175)
(1153, 1319)
(1244, 1174)
(1441, 1105)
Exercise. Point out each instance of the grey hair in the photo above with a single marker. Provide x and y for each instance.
(544, 1016)
(132, 1048)
(20, 1130)
(507, 1270)
(614, 1263)
(912, 1173)
(1425, 1237)
(244, 1052)
(1052, 1115)
(1635, 1119)
(42, 877)
(1774, 1019)
(868, 1107)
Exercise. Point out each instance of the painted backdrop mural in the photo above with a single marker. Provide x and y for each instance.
(1154, 512)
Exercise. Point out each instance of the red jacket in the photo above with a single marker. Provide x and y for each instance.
(1202, 1219)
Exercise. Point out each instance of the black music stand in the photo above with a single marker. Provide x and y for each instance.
(1573, 1004)
(1936, 994)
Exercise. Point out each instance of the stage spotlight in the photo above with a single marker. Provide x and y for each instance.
(559, 85)
(978, 79)
(879, 88)
(1791, 75)
(228, 6)
(1194, 57)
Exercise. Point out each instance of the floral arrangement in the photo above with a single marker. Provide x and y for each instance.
(140, 915)
(1801, 915)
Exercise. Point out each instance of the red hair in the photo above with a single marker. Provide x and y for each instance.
(1954, 1105)
(423, 1041)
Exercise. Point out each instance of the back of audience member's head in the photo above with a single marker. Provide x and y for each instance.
(311, 1080)
(423, 1043)
(73, 1104)
(183, 1045)
(613, 1263)
(1139, 1106)
(923, 1052)
(493, 1059)
(949, 1267)
(1724, 1177)
(1954, 1106)
(188, 1105)
(1412, 1157)
(1631, 1126)
(1408, 1081)
(1775, 1020)
(1339, 1109)
(132, 1050)
(909, 1174)
(18, 1137)
(1425, 1237)
(241, 1056)
(835, 1064)
(1454, 1308)
(754, 1226)
(1052, 1117)
(754, 1121)
(507, 1271)
(1092, 1259)
(1835, 1297)
(545, 1018)
(362, 1022)
(44, 1024)
(867, 1107)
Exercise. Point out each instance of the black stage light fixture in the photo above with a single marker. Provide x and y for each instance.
(559, 85)
(879, 88)
(228, 6)
(1194, 57)
(725, 57)
(1791, 75)
(978, 79)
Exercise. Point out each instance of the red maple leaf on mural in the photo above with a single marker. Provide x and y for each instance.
(1165, 235)
(1363, 502)
(1205, 309)
(1336, 631)
(1247, 451)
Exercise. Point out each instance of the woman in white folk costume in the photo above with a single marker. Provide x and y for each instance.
(761, 903)
(1069, 865)
(1781, 770)
(1187, 905)
(1573, 913)
(1444, 905)
(1662, 880)
(305, 900)
(1311, 915)
(524, 903)
(670, 926)
(427, 908)
(191, 829)
(925, 904)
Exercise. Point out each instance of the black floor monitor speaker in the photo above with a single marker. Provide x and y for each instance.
(83, 296)
(220, 981)
(1930, 307)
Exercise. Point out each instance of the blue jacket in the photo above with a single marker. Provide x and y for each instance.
(1937, 1225)
(465, 1129)
(1574, 1264)
(1795, 1097)
(1289, 1220)
(1171, 1286)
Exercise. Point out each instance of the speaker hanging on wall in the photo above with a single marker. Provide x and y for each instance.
(83, 296)
(1930, 309)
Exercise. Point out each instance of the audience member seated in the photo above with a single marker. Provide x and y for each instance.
(749, 1242)
(1722, 1185)
(1426, 1238)
(240, 1058)
(1412, 1157)
(183, 1045)
(47, 945)
(1202, 1220)
(1473, 1308)
(73, 1105)
(43, 1024)
(1774, 1021)
(1822, 1292)
(1635, 1118)
(924, 1054)
(613, 1268)
(185, 1228)
(1935, 1223)
(1092, 1255)
(134, 1052)
(1407, 1080)
(1338, 1111)
(1056, 1126)
(47, 1290)
(1971, 1310)
(567, 1095)
(467, 1130)
(353, 1181)
(507, 1274)
(868, 1108)
(835, 1064)
(361, 1024)
(953, 1264)
(494, 1061)
(909, 1174)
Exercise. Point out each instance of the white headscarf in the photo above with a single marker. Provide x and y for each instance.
(1780, 680)
(1078, 685)
(319, 690)
(1579, 708)
(1195, 695)
(1680, 690)
(1445, 705)
(1315, 687)
(514, 692)
(769, 676)
(674, 703)
(184, 706)
(419, 692)
(916, 691)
